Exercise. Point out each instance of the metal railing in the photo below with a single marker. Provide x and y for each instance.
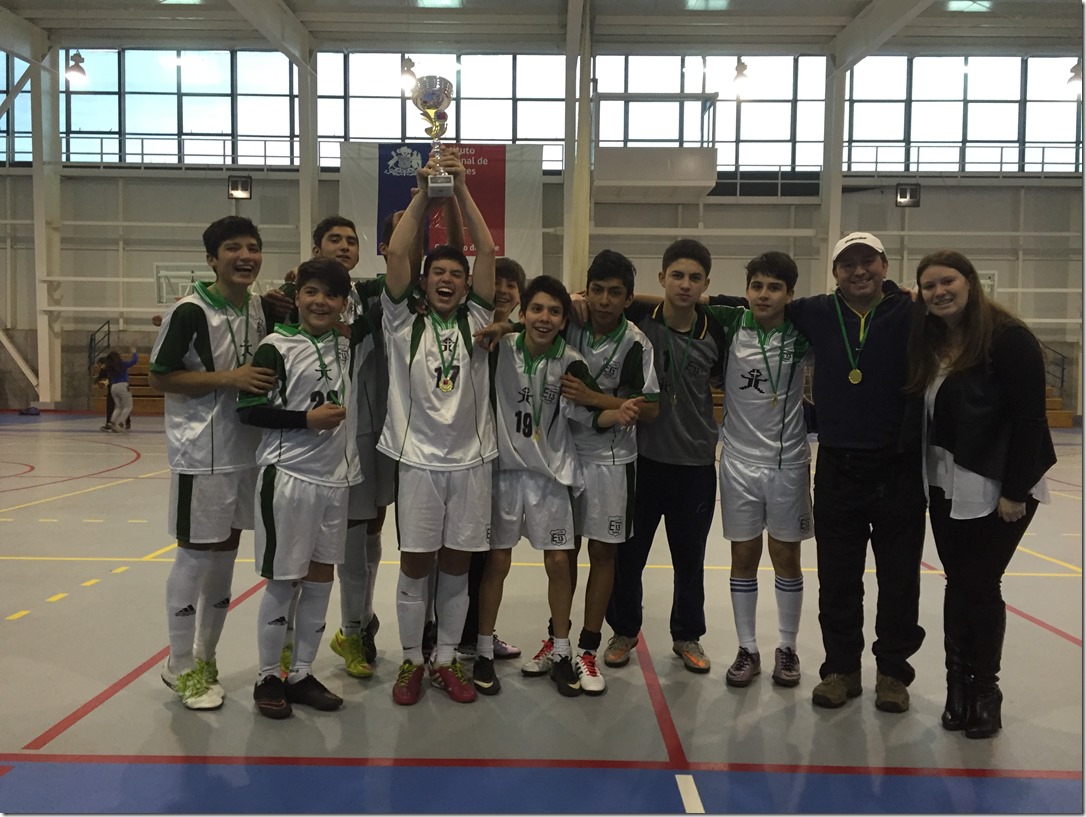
(1055, 370)
(96, 343)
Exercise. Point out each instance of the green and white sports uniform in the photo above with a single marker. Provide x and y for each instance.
(304, 473)
(210, 452)
(765, 460)
(621, 364)
(538, 468)
(439, 426)
(378, 486)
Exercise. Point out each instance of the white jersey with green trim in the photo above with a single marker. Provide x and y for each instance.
(309, 372)
(763, 396)
(535, 423)
(439, 414)
(203, 332)
(621, 363)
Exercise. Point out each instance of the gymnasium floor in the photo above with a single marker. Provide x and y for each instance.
(86, 724)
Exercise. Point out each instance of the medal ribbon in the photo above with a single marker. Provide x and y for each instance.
(676, 376)
(530, 368)
(865, 330)
(762, 338)
(244, 313)
(340, 394)
(592, 344)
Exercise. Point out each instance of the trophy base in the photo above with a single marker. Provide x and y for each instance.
(440, 186)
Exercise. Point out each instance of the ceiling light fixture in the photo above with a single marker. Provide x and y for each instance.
(407, 76)
(740, 76)
(75, 73)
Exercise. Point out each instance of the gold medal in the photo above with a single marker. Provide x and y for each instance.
(855, 376)
(674, 399)
(536, 435)
(445, 384)
(774, 400)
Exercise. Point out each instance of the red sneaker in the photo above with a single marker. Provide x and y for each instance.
(451, 678)
(408, 687)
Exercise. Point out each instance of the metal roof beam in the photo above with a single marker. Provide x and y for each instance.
(873, 26)
(280, 27)
(21, 38)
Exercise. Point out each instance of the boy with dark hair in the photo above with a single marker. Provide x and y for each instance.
(440, 429)
(765, 479)
(619, 358)
(308, 458)
(200, 360)
(539, 468)
(676, 458)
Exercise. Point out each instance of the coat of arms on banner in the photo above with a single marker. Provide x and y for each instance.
(404, 162)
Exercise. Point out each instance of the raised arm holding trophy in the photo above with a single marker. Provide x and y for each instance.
(432, 95)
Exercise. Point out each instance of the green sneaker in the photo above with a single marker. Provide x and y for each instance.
(285, 658)
(349, 648)
(191, 687)
(210, 671)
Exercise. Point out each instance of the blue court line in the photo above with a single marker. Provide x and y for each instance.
(278, 786)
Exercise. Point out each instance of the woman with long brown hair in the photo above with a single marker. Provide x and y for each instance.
(980, 374)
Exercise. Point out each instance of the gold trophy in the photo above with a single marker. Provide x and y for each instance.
(432, 96)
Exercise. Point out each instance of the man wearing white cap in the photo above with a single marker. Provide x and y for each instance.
(867, 481)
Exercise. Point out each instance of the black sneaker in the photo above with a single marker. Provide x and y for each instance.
(483, 676)
(271, 698)
(369, 646)
(311, 692)
(565, 676)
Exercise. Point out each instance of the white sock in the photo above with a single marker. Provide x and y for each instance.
(292, 613)
(373, 561)
(352, 582)
(789, 606)
(561, 647)
(452, 608)
(271, 624)
(431, 594)
(411, 615)
(182, 598)
(214, 602)
(484, 646)
(745, 610)
(309, 627)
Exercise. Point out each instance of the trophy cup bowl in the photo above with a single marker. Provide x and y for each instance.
(432, 95)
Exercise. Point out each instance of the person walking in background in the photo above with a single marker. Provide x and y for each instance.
(117, 374)
(980, 375)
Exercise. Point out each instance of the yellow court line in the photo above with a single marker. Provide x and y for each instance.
(130, 521)
(159, 552)
(1071, 534)
(20, 614)
(48, 520)
(1068, 496)
(119, 570)
(57, 597)
(89, 582)
(1050, 559)
(83, 491)
(94, 520)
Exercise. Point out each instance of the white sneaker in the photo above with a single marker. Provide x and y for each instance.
(592, 682)
(210, 672)
(191, 687)
(541, 662)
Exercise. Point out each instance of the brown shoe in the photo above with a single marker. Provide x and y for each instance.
(836, 688)
(890, 694)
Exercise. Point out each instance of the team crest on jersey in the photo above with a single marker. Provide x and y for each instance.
(550, 394)
(343, 353)
(404, 162)
(559, 537)
(614, 525)
(787, 354)
(805, 523)
(610, 370)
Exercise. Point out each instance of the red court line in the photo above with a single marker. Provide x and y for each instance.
(5, 769)
(26, 465)
(513, 763)
(66, 723)
(136, 458)
(672, 742)
(1044, 625)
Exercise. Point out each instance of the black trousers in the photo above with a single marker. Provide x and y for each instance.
(860, 496)
(975, 554)
(685, 497)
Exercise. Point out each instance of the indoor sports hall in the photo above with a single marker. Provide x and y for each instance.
(590, 124)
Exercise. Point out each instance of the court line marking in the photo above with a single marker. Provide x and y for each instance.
(668, 731)
(83, 491)
(68, 721)
(529, 763)
(90, 582)
(1050, 559)
(688, 791)
(57, 597)
(16, 616)
(138, 456)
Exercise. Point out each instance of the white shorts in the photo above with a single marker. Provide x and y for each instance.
(604, 509)
(205, 508)
(532, 505)
(299, 522)
(378, 486)
(754, 498)
(443, 508)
